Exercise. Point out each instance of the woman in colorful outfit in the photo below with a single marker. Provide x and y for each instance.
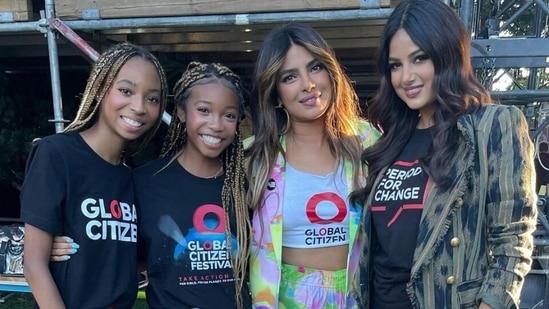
(304, 160)
(450, 203)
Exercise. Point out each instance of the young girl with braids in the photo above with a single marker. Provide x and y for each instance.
(77, 184)
(194, 221)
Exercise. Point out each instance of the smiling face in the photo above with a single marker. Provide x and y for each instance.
(132, 105)
(412, 75)
(303, 85)
(211, 118)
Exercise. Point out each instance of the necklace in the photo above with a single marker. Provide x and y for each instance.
(217, 174)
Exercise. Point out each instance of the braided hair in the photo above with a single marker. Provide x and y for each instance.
(100, 81)
(233, 192)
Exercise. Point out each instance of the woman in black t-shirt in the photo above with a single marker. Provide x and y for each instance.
(449, 198)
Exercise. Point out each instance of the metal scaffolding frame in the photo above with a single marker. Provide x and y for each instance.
(493, 52)
(50, 25)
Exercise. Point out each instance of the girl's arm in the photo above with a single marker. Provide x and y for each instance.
(37, 250)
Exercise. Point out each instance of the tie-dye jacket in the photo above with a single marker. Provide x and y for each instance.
(475, 239)
(266, 251)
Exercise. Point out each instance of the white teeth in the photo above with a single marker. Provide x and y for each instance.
(132, 122)
(210, 139)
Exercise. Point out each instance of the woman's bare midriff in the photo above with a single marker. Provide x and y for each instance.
(328, 258)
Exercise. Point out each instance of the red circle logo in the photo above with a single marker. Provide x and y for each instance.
(313, 202)
(199, 219)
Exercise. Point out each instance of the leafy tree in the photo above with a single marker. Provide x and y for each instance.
(21, 120)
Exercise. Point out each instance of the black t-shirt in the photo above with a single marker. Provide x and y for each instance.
(396, 211)
(70, 190)
(182, 226)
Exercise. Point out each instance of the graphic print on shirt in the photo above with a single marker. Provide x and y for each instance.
(203, 252)
(401, 189)
(324, 211)
(114, 220)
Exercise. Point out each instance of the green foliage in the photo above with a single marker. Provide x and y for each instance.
(520, 76)
(21, 120)
(523, 26)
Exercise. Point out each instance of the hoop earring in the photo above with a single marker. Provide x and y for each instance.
(178, 128)
(281, 108)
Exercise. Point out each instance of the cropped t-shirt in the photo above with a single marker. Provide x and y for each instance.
(316, 209)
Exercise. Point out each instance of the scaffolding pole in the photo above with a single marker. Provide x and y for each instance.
(44, 25)
(466, 13)
(206, 20)
(54, 71)
(47, 26)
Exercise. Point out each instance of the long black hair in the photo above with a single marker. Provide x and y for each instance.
(439, 32)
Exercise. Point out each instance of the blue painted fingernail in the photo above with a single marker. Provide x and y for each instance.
(66, 257)
(69, 240)
(73, 250)
(75, 246)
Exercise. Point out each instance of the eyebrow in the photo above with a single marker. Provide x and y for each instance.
(412, 54)
(135, 85)
(309, 64)
(126, 81)
(203, 101)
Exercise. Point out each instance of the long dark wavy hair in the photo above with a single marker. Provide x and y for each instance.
(435, 28)
(268, 125)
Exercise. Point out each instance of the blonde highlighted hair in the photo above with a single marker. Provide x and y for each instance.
(341, 118)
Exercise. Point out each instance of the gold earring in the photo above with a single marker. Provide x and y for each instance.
(286, 126)
(182, 130)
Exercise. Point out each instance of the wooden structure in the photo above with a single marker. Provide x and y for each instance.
(16, 10)
(77, 9)
(230, 32)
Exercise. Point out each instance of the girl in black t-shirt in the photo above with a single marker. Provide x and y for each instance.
(194, 216)
(194, 221)
(76, 184)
